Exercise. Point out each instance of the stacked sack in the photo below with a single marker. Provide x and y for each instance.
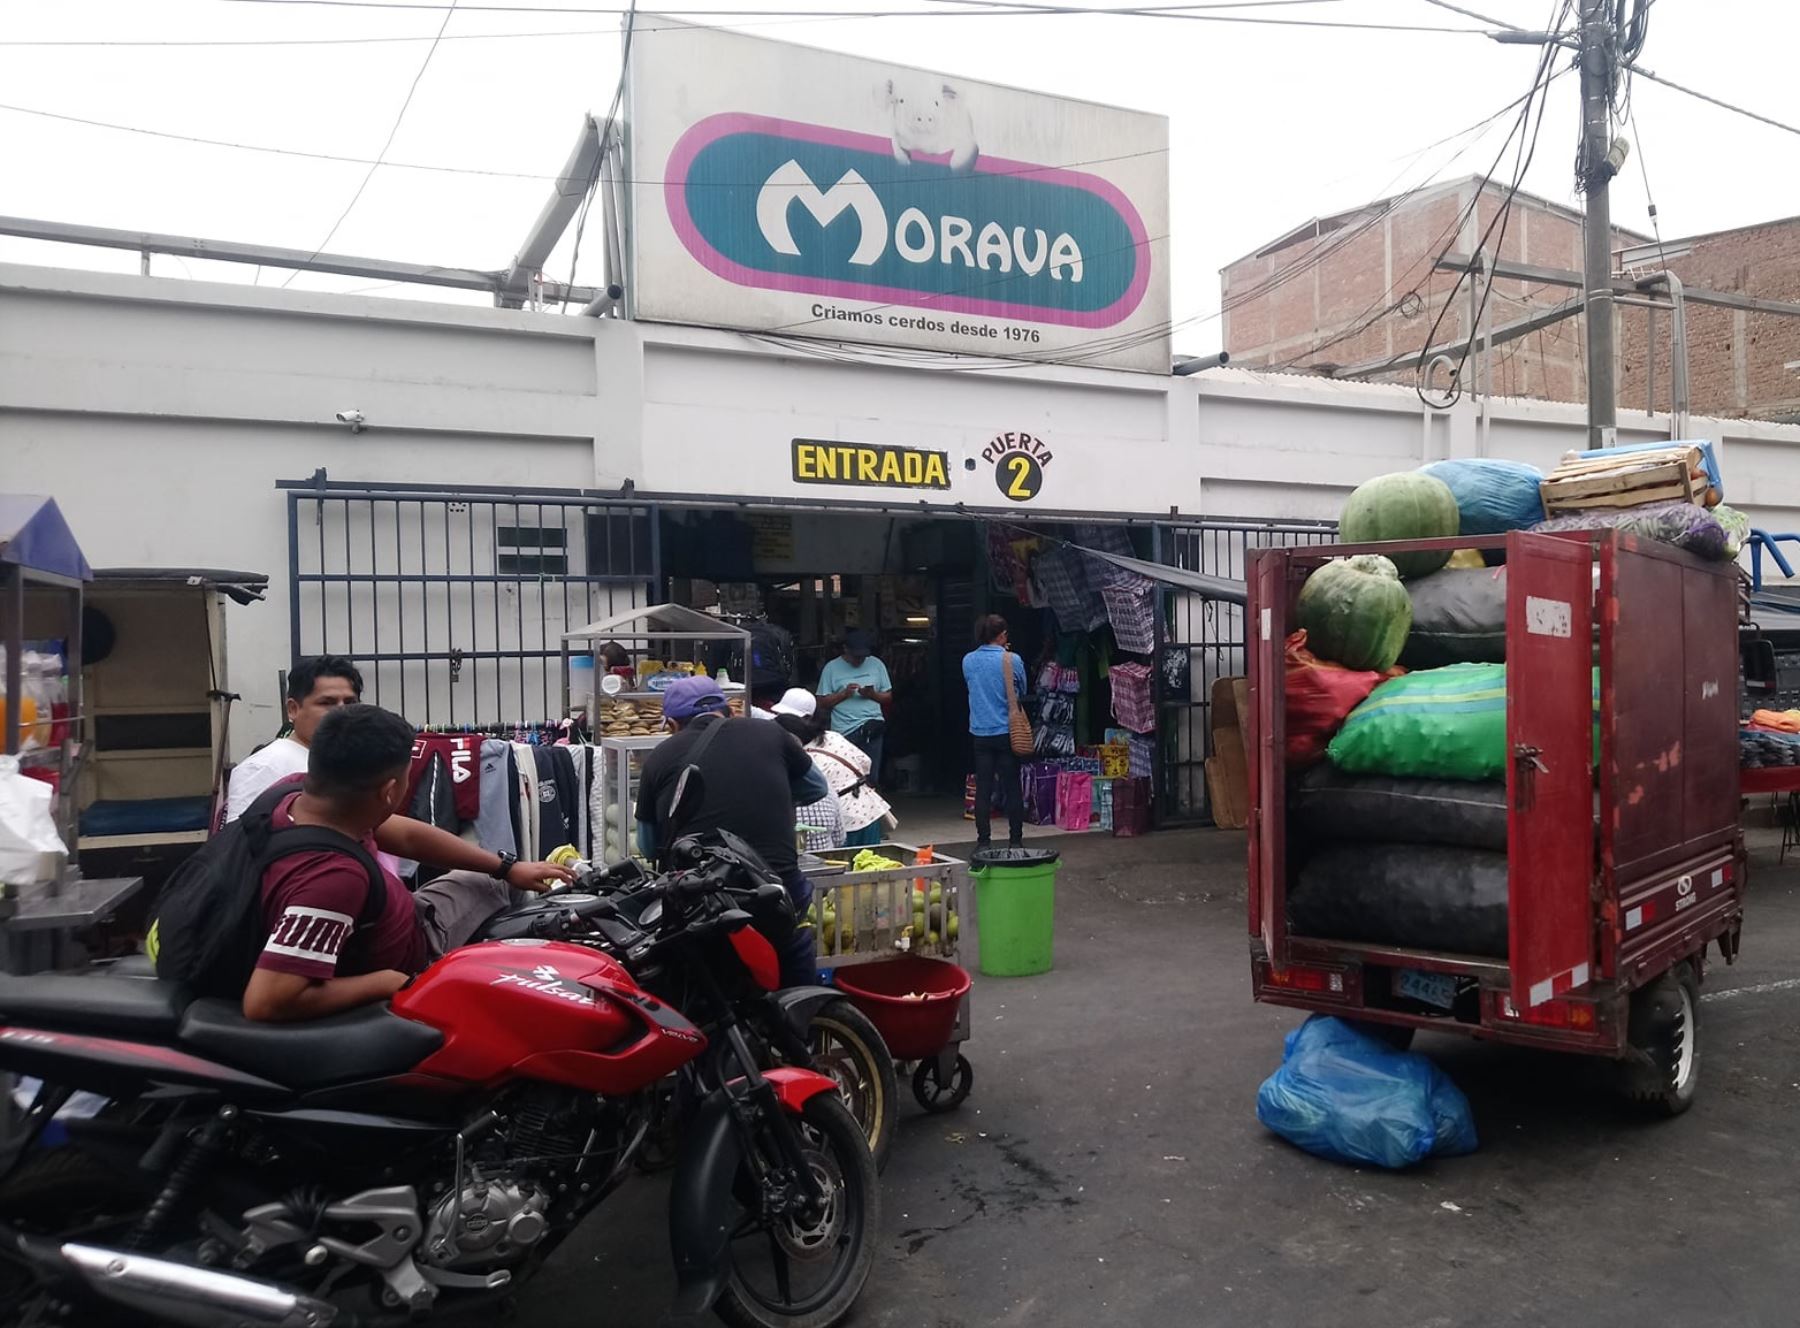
(1396, 727)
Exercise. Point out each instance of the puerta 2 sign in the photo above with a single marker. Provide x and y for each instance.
(780, 189)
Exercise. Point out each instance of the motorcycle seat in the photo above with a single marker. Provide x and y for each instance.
(370, 1043)
(93, 1003)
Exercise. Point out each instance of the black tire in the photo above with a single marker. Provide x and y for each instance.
(1397, 1036)
(849, 1048)
(839, 1152)
(56, 1187)
(1661, 1071)
(935, 1095)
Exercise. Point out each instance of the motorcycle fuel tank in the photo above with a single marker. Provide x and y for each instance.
(545, 1010)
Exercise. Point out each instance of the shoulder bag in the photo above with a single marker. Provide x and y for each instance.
(1017, 726)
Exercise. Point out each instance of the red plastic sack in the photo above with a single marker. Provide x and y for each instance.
(1320, 696)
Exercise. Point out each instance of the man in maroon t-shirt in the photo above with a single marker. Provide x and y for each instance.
(316, 960)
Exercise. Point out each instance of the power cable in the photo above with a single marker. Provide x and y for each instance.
(202, 141)
(374, 166)
(1008, 9)
(1760, 118)
(1540, 88)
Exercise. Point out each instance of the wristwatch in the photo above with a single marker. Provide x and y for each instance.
(507, 862)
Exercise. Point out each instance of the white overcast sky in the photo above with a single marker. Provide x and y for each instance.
(1269, 126)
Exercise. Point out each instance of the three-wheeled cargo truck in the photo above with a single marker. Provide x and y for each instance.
(1619, 878)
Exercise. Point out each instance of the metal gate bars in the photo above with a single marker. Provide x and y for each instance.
(453, 601)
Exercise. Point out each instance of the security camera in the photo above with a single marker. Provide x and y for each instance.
(354, 418)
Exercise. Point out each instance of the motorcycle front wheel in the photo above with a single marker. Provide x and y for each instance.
(806, 1269)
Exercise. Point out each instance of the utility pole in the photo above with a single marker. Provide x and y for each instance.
(1599, 49)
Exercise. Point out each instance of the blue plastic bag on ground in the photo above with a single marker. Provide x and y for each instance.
(1345, 1095)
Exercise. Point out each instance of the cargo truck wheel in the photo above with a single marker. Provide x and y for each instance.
(1661, 1070)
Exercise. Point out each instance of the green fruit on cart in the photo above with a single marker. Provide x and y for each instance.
(1355, 612)
(936, 917)
(951, 927)
(932, 938)
(937, 894)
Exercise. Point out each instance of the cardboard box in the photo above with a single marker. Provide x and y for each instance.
(1228, 768)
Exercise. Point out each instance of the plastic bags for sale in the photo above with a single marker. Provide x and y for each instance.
(1319, 696)
(1345, 1095)
(1074, 800)
(31, 852)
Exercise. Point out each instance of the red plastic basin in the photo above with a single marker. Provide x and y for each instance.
(912, 1029)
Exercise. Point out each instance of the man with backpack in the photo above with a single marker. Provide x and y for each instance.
(289, 910)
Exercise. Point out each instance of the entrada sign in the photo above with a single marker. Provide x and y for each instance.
(871, 465)
(834, 213)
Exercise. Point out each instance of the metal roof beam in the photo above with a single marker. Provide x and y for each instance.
(1551, 276)
(1499, 336)
(577, 176)
(229, 251)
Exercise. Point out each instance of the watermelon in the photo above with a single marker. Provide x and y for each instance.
(1407, 505)
(1356, 612)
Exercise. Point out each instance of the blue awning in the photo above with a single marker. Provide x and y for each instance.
(34, 536)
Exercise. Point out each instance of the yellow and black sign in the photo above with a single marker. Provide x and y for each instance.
(1019, 461)
(873, 465)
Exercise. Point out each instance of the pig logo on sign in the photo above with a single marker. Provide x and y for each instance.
(930, 122)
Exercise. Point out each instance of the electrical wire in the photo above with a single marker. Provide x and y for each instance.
(202, 141)
(1097, 348)
(374, 166)
(1655, 77)
(1540, 90)
(1363, 321)
(1020, 9)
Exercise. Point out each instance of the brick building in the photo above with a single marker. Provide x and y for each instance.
(1359, 287)
(1741, 363)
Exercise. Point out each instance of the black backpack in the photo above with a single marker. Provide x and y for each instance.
(208, 927)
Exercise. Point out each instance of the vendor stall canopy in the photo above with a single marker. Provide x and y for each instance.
(658, 622)
(239, 587)
(35, 538)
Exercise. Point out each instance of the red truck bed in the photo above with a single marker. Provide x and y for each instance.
(1594, 911)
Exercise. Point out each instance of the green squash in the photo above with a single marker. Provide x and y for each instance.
(1407, 505)
(1356, 612)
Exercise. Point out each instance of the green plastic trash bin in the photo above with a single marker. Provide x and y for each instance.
(1015, 903)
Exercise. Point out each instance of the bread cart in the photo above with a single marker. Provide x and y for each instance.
(882, 951)
(627, 722)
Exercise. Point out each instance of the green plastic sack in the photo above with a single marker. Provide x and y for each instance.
(1447, 723)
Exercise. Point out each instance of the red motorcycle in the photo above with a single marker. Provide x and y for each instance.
(391, 1163)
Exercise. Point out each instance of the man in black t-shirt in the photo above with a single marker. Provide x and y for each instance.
(755, 774)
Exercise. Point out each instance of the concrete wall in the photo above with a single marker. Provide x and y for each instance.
(161, 413)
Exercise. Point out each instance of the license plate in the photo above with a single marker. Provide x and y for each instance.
(1437, 989)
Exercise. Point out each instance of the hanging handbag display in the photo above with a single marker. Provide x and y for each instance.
(1017, 726)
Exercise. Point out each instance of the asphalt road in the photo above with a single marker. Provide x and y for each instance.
(1109, 1167)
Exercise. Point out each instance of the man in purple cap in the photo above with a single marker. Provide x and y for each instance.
(755, 774)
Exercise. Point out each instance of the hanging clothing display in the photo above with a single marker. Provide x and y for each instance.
(460, 755)
(494, 828)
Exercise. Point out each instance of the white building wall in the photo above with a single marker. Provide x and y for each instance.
(161, 413)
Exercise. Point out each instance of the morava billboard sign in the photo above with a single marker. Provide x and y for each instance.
(783, 190)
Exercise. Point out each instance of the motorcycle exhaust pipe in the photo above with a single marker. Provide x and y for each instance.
(177, 1293)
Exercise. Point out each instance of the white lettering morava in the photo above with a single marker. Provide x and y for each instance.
(314, 934)
(952, 241)
(791, 184)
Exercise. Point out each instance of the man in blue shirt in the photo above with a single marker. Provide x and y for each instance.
(984, 670)
(853, 688)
